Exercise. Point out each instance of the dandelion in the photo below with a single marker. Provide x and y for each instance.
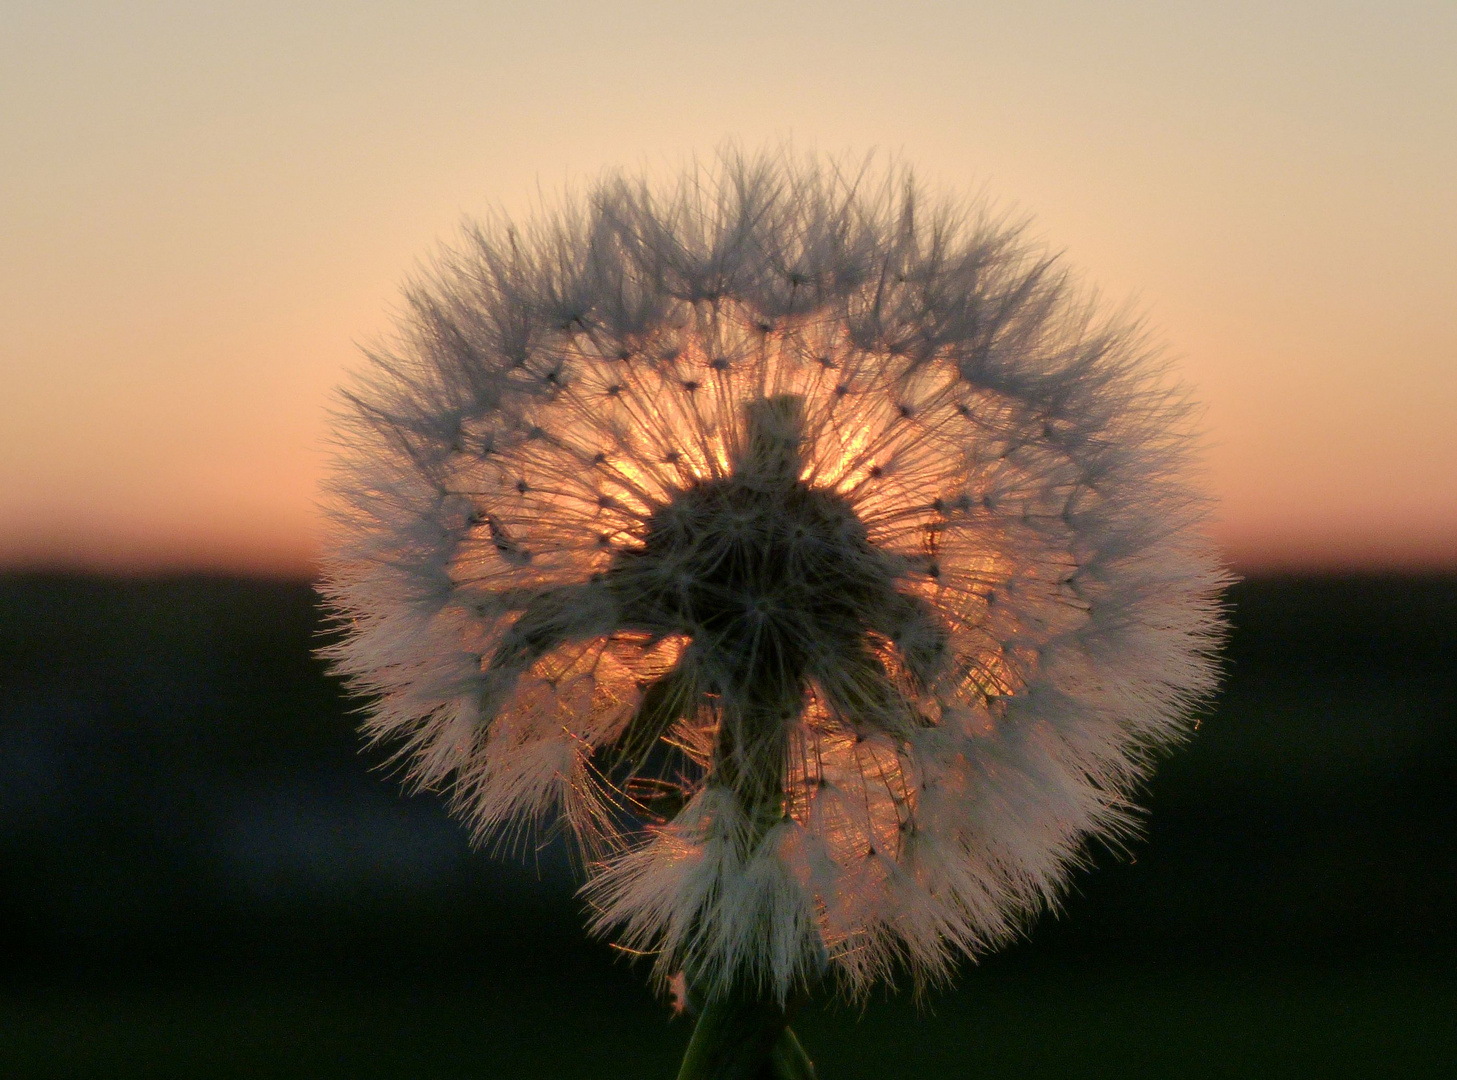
(817, 553)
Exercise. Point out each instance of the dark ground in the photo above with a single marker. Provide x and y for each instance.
(200, 875)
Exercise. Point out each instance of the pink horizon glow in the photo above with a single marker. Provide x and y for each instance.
(137, 553)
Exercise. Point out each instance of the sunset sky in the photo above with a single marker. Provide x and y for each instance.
(204, 214)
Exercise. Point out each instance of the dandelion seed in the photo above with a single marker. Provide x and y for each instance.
(850, 595)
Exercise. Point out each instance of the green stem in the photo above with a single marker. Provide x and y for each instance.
(743, 1038)
(788, 1060)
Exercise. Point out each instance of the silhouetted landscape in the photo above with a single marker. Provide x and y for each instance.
(202, 873)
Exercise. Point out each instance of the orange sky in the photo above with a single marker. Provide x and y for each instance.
(205, 213)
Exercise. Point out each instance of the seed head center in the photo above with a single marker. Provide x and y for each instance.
(761, 569)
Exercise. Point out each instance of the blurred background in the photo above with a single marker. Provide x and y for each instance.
(202, 875)
(205, 212)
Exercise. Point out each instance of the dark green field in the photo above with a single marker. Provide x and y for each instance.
(202, 876)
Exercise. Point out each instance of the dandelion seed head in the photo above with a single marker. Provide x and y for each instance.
(819, 556)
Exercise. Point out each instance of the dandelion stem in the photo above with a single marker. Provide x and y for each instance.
(742, 1037)
(788, 1060)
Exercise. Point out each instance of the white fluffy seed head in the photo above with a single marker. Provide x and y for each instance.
(822, 558)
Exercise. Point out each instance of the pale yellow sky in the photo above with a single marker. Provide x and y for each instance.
(203, 213)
